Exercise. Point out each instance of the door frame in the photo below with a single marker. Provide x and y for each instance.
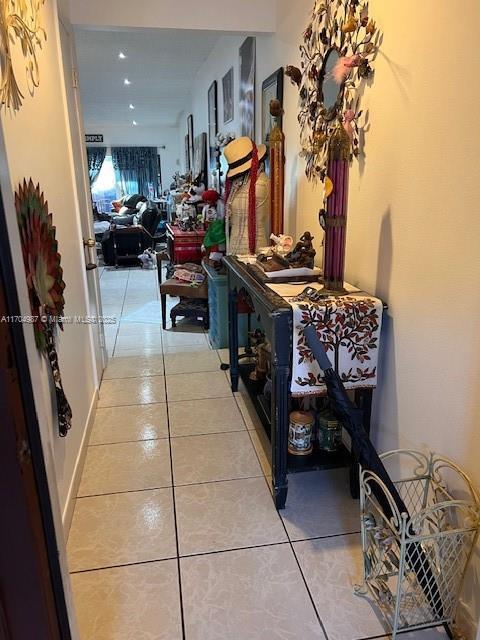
(80, 180)
(33, 547)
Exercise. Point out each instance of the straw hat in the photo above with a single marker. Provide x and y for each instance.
(238, 154)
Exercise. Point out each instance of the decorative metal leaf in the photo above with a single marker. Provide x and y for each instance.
(19, 20)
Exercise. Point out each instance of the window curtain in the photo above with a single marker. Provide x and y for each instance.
(95, 156)
(136, 169)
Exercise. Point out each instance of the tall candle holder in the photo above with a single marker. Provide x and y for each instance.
(335, 214)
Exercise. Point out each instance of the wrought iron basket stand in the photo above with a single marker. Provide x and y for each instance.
(439, 528)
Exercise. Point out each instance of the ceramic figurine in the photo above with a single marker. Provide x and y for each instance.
(303, 255)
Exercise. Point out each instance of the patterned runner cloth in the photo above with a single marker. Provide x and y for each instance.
(350, 328)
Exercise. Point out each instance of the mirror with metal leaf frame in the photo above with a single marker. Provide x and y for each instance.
(330, 92)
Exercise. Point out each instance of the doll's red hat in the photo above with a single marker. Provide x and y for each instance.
(211, 196)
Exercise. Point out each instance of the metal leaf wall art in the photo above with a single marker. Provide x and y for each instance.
(19, 24)
(339, 45)
(45, 283)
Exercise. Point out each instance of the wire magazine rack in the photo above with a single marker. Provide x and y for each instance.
(444, 527)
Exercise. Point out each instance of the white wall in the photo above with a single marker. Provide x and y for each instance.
(224, 56)
(214, 15)
(413, 229)
(119, 135)
(273, 51)
(37, 142)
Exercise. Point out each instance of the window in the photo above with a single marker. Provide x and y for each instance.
(104, 189)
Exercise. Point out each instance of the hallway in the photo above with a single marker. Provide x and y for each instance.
(174, 532)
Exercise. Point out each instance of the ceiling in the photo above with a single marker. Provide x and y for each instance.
(160, 65)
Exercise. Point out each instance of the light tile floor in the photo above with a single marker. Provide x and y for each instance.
(174, 533)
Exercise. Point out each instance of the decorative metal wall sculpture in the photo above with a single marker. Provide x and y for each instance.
(19, 21)
(45, 282)
(338, 48)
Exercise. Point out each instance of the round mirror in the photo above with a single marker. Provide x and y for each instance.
(330, 90)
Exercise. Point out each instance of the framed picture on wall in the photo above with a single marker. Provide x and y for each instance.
(247, 87)
(272, 88)
(190, 139)
(212, 123)
(228, 101)
(200, 168)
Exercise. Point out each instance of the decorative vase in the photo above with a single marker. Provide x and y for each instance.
(335, 219)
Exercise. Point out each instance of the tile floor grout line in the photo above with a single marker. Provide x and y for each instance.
(106, 444)
(326, 537)
(177, 544)
(177, 486)
(119, 566)
(188, 435)
(308, 591)
(210, 433)
(138, 404)
(120, 406)
(146, 404)
(246, 548)
(121, 313)
(152, 375)
(317, 613)
(118, 493)
(194, 484)
(388, 634)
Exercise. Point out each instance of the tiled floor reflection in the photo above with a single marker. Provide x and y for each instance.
(175, 534)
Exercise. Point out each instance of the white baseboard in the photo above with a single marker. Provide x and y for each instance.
(77, 474)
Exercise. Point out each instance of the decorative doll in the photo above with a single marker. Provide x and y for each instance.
(209, 211)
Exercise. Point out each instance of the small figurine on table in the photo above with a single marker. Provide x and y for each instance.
(303, 255)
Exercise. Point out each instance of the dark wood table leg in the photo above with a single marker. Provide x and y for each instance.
(233, 337)
(279, 408)
(363, 400)
(163, 298)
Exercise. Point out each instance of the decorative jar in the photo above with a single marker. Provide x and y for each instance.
(329, 431)
(300, 433)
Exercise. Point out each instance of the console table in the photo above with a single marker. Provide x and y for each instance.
(275, 316)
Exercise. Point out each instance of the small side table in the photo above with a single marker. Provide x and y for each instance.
(184, 246)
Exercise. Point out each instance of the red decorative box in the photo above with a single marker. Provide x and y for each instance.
(184, 246)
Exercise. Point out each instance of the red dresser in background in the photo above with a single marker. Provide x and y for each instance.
(184, 246)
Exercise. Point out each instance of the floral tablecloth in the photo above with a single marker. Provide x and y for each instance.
(349, 327)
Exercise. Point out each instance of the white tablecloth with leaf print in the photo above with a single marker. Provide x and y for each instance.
(349, 327)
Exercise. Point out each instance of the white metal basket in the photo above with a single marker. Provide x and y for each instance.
(440, 529)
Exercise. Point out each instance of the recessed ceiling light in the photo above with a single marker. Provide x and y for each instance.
(131, 106)
(134, 123)
(126, 81)
(121, 55)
